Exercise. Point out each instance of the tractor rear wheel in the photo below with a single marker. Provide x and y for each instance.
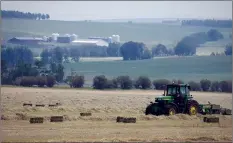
(170, 110)
(192, 107)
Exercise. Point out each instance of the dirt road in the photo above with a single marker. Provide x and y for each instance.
(105, 106)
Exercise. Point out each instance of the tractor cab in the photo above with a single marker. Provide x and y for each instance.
(177, 90)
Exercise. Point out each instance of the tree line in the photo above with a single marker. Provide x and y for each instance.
(24, 15)
(208, 22)
(187, 45)
(125, 82)
(18, 62)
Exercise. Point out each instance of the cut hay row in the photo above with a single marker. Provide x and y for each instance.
(41, 105)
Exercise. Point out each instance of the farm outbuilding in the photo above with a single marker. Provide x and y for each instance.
(91, 42)
(63, 39)
(25, 40)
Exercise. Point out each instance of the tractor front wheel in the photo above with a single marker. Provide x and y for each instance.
(170, 110)
(192, 107)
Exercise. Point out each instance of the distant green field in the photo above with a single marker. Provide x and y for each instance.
(185, 68)
(151, 33)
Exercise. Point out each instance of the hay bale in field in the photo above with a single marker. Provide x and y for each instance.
(27, 104)
(36, 120)
(58, 104)
(211, 119)
(85, 114)
(119, 119)
(56, 119)
(40, 105)
(129, 120)
(125, 120)
(52, 105)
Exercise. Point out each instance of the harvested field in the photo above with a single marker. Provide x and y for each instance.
(104, 106)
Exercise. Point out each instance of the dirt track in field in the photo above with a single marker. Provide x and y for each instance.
(105, 106)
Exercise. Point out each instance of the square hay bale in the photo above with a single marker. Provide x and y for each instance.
(52, 105)
(56, 119)
(85, 114)
(129, 120)
(211, 119)
(40, 105)
(27, 104)
(58, 104)
(36, 120)
(119, 119)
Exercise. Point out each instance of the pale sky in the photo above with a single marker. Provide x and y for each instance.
(91, 10)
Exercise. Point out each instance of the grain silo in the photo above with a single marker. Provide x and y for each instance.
(117, 38)
(114, 38)
(54, 36)
(109, 39)
(45, 38)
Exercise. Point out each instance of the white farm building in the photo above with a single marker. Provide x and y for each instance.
(94, 42)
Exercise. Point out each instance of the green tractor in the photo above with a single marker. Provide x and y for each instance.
(176, 99)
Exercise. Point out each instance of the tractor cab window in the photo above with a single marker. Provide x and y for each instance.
(172, 90)
(187, 91)
(183, 90)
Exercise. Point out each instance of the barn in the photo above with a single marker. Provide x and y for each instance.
(25, 40)
(90, 42)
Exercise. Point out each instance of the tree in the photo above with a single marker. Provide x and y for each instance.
(194, 86)
(185, 47)
(112, 84)
(146, 54)
(125, 82)
(41, 81)
(77, 81)
(75, 54)
(132, 50)
(22, 15)
(43, 16)
(57, 55)
(215, 86)
(214, 35)
(50, 81)
(100, 82)
(160, 84)
(228, 49)
(60, 73)
(143, 82)
(38, 63)
(226, 86)
(159, 50)
(45, 56)
(3, 66)
(18, 54)
(47, 16)
(205, 84)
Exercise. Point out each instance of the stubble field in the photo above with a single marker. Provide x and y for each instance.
(105, 106)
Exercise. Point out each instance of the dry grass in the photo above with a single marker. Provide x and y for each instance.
(105, 106)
